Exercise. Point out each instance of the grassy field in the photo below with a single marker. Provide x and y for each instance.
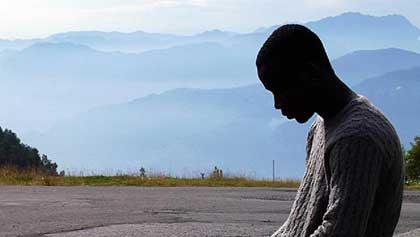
(34, 177)
(413, 186)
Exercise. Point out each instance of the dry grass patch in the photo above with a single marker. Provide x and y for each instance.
(10, 176)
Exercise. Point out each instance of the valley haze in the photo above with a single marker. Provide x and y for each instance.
(110, 101)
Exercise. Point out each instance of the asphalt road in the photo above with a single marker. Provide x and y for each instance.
(136, 211)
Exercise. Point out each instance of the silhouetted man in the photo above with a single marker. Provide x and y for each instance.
(353, 182)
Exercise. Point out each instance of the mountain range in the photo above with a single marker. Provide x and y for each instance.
(195, 63)
(359, 65)
(215, 56)
(342, 34)
(195, 129)
(67, 95)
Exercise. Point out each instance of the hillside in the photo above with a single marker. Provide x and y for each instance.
(16, 155)
(354, 31)
(342, 34)
(193, 62)
(354, 67)
(397, 95)
(186, 130)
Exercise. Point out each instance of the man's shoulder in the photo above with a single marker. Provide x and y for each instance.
(366, 119)
(363, 120)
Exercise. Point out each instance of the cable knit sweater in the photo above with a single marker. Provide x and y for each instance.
(354, 177)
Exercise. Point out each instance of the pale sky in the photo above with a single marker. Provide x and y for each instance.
(39, 18)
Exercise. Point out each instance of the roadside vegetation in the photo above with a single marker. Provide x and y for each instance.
(11, 176)
(13, 153)
(412, 165)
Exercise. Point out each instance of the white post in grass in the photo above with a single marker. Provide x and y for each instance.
(274, 173)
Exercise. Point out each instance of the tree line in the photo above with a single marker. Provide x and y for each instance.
(15, 154)
(412, 161)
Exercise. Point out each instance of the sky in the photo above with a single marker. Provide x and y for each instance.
(40, 18)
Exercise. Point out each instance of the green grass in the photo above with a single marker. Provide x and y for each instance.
(10, 176)
(413, 185)
(34, 177)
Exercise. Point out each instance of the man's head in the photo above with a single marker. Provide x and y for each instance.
(293, 65)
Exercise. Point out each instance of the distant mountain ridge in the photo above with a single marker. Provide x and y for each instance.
(237, 129)
(136, 42)
(133, 42)
(352, 31)
(18, 44)
(192, 62)
(358, 31)
(397, 95)
(56, 83)
(342, 34)
(210, 54)
(52, 81)
(357, 66)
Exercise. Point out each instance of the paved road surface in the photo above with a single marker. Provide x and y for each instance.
(136, 211)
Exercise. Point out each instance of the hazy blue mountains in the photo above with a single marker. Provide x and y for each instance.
(133, 42)
(52, 84)
(397, 94)
(138, 41)
(188, 130)
(355, 31)
(196, 64)
(193, 62)
(51, 81)
(17, 44)
(208, 56)
(352, 31)
(354, 67)
(342, 34)
(183, 130)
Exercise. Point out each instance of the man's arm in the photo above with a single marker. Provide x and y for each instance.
(355, 166)
(309, 139)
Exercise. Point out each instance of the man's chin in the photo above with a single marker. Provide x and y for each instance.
(302, 119)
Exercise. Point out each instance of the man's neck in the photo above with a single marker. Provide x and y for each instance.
(334, 99)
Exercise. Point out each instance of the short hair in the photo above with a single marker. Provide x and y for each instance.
(292, 44)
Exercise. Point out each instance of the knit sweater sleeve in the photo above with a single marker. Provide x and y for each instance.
(354, 166)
